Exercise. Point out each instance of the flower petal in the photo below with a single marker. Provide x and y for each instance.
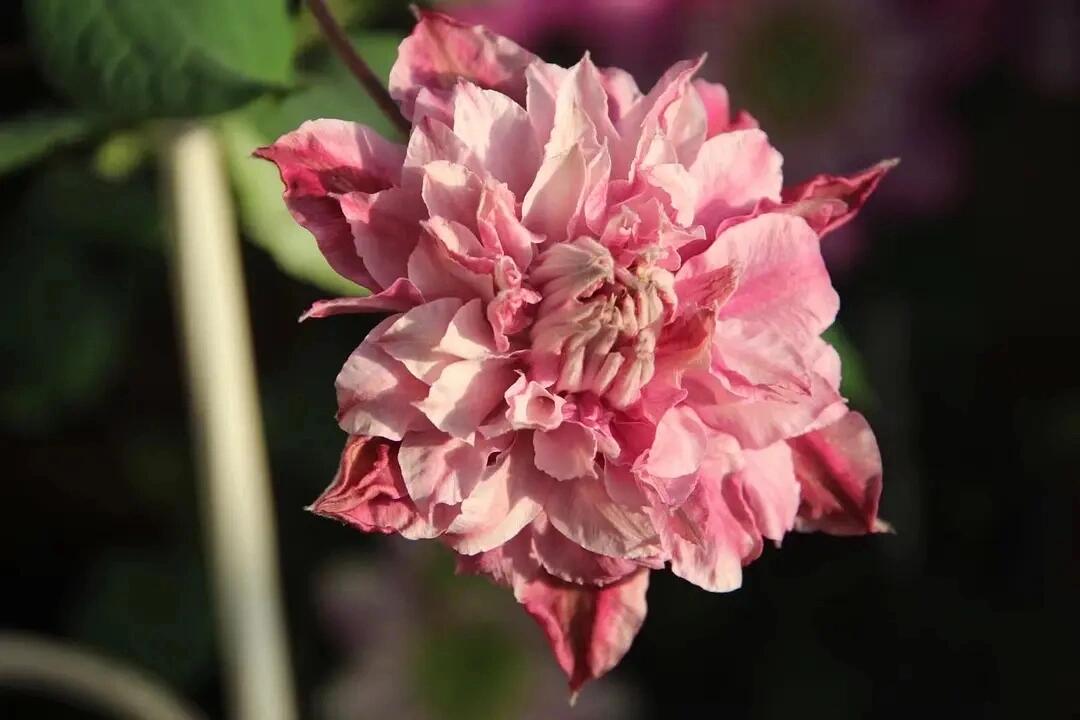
(413, 338)
(812, 198)
(401, 295)
(439, 469)
(467, 392)
(498, 132)
(770, 489)
(442, 50)
(583, 511)
(566, 452)
(732, 172)
(376, 394)
(322, 160)
(590, 629)
(839, 470)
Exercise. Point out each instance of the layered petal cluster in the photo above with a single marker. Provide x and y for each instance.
(602, 348)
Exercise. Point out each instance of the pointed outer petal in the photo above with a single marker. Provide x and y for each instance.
(566, 452)
(433, 140)
(572, 563)
(442, 50)
(685, 123)
(756, 423)
(708, 289)
(622, 92)
(718, 109)
(499, 133)
(584, 512)
(709, 537)
(414, 337)
(733, 171)
(466, 393)
(590, 629)
(398, 297)
(436, 274)
(439, 469)
(783, 281)
(532, 407)
(679, 446)
(469, 335)
(839, 470)
(758, 362)
(581, 111)
(500, 228)
(770, 489)
(852, 192)
(554, 198)
(451, 191)
(511, 493)
(641, 120)
(543, 81)
(385, 227)
(376, 393)
(512, 564)
(326, 158)
(369, 494)
(679, 186)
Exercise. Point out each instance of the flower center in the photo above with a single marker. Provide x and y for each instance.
(598, 322)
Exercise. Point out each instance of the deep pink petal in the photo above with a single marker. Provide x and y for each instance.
(817, 197)
(401, 295)
(572, 563)
(590, 629)
(322, 160)
(442, 50)
(839, 470)
(368, 492)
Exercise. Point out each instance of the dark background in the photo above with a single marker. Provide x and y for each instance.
(960, 305)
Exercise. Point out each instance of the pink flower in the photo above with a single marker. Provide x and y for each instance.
(603, 352)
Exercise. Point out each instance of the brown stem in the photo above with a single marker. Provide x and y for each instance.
(356, 64)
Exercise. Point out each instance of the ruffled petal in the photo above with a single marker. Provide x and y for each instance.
(829, 201)
(440, 51)
(733, 171)
(465, 393)
(489, 124)
(583, 511)
(839, 470)
(319, 162)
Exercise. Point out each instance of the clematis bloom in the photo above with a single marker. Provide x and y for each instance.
(602, 350)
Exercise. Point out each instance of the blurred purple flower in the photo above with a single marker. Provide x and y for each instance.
(393, 635)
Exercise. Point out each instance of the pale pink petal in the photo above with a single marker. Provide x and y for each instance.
(583, 511)
(782, 279)
(438, 469)
(511, 493)
(441, 50)
(733, 171)
(369, 494)
(543, 81)
(451, 191)
(566, 452)
(813, 196)
(839, 470)
(770, 489)
(707, 537)
(759, 362)
(468, 335)
(680, 444)
(385, 227)
(432, 140)
(572, 563)
(498, 132)
(322, 160)
(553, 200)
(376, 393)
(532, 407)
(401, 295)
(436, 274)
(467, 392)
(500, 227)
(413, 338)
(622, 92)
(718, 109)
(590, 629)
(757, 423)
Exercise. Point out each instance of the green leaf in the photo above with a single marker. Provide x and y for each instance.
(139, 58)
(331, 92)
(28, 139)
(263, 214)
(854, 383)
